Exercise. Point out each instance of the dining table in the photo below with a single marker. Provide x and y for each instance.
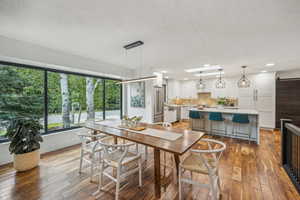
(172, 140)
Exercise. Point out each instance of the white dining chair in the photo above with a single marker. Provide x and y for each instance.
(204, 162)
(90, 150)
(118, 158)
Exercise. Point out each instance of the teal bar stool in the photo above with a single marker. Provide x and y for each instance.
(216, 117)
(194, 115)
(238, 120)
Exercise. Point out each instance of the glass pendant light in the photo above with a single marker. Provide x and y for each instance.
(200, 84)
(243, 82)
(220, 82)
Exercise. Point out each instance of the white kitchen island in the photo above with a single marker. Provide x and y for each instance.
(227, 114)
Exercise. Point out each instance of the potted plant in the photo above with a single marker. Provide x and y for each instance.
(25, 138)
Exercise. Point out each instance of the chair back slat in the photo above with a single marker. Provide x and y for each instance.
(213, 152)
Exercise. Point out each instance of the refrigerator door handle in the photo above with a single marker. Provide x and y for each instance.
(256, 94)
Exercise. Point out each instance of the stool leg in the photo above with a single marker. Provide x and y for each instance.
(249, 132)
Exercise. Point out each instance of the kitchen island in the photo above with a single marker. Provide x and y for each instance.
(226, 127)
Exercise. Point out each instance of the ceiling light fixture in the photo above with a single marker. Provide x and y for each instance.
(244, 82)
(270, 64)
(220, 82)
(158, 77)
(200, 84)
(202, 69)
(264, 71)
(206, 65)
(210, 74)
(133, 45)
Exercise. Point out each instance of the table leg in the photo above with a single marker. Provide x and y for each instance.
(157, 173)
(115, 140)
(177, 161)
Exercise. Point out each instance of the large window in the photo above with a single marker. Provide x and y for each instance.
(60, 100)
(21, 95)
(112, 99)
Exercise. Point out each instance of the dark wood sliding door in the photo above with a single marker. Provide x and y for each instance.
(288, 100)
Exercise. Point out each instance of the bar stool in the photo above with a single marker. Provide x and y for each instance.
(239, 119)
(217, 118)
(193, 114)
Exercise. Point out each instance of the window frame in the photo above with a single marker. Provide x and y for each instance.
(45, 71)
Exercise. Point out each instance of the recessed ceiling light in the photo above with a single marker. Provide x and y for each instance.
(202, 69)
(166, 77)
(206, 65)
(164, 71)
(270, 64)
(263, 71)
(210, 74)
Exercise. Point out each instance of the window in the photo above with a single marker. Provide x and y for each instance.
(21, 95)
(112, 99)
(61, 100)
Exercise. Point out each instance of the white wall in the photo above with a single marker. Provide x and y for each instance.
(146, 112)
(22, 52)
(51, 142)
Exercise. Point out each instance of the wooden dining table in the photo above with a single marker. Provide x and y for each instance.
(176, 147)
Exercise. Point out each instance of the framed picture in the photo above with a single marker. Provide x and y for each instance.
(137, 95)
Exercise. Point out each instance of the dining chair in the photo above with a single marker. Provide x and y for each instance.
(204, 162)
(118, 158)
(90, 150)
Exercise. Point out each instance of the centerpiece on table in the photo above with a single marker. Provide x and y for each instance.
(132, 123)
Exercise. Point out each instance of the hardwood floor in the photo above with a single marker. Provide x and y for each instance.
(247, 171)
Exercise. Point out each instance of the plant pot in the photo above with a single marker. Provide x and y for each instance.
(26, 161)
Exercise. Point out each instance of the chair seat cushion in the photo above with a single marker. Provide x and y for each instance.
(194, 163)
(115, 156)
(215, 116)
(240, 118)
(195, 114)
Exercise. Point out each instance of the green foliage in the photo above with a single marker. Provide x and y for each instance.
(20, 93)
(24, 134)
(112, 96)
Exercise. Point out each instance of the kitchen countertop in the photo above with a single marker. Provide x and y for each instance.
(228, 110)
(180, 105)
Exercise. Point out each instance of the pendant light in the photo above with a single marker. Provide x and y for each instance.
(200, 84)
(220, 82)
(158, 77)
(244, 82)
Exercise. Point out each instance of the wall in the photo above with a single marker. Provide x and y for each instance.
(51, 142)
(146, 112)
(22, 52)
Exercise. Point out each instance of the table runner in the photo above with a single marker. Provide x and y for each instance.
(163, 134)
